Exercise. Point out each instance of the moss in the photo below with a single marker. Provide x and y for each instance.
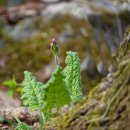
(25, 55)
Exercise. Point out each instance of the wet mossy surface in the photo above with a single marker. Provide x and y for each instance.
(102, 109)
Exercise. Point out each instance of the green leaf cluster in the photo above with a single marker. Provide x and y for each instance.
(22, 126)
(63, 87)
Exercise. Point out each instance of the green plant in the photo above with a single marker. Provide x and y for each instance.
(12, 85)
(72, 76)
(63, 87)
(22, 125)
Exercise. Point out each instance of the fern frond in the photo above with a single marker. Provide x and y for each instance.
(56, 93)
(33, 92)
(72, 76)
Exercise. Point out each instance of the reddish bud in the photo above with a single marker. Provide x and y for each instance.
(54, 48)
(54, 41)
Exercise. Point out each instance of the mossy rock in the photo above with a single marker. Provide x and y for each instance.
(107, 109)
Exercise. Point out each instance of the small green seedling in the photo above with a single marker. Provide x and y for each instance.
(12, 85)
(64, 87)
(21, 125)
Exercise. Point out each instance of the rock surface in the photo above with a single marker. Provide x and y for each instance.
(7, 102)
(80, 9)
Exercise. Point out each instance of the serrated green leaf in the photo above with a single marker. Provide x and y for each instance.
(33, 92)
(56, 93)
(72, 76)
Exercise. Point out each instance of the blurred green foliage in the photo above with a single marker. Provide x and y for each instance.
(3, 2)
(12, 86)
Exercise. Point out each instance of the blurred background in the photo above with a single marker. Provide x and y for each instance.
(93, 28)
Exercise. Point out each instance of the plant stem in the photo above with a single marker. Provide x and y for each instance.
(57, 60)
(17, 119)
(42, 119)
